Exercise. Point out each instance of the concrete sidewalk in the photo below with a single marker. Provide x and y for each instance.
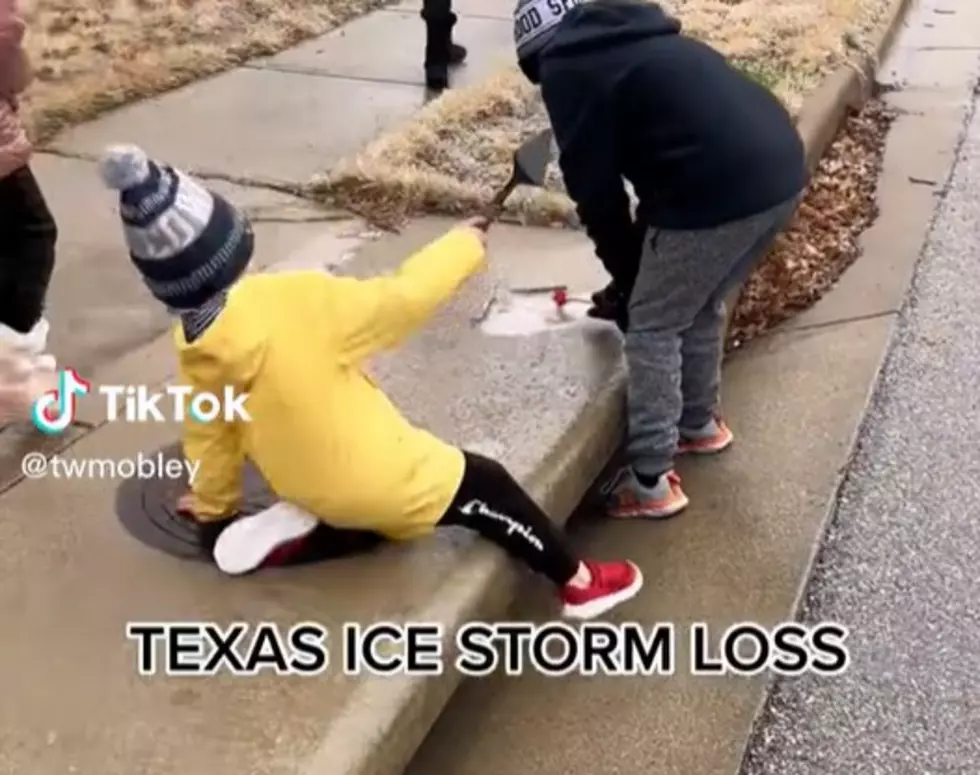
(274, 121)
(281, 120)
(72, 699)
(254, 132)
(795, 400)
(549, 406)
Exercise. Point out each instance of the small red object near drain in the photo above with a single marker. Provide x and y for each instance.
(560, 297)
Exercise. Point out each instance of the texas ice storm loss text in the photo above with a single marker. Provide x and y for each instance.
(481, 648)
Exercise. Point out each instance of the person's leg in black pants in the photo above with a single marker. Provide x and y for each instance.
(27, 243)
(490, 502)
(440, 51)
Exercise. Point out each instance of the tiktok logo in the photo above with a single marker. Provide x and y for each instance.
(54, 411)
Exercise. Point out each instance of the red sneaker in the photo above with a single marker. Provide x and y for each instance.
(271, 537)
(612, 583)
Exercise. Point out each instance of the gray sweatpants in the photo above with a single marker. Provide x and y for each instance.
(676, 329)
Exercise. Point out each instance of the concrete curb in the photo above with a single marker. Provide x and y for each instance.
(386, 720)
(849, 86)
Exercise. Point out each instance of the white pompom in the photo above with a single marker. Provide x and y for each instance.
(124, 166)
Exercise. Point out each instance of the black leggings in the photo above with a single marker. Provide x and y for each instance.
(491, 503)
(27, 240)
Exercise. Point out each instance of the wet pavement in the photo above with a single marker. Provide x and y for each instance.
(899, 566)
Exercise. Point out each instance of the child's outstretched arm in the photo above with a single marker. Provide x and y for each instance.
(216, 451)
(368, 316)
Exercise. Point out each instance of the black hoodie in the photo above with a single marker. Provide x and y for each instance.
(630, 97)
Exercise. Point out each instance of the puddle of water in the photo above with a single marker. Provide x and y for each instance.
(513, 314)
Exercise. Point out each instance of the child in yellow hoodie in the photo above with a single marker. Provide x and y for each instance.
(332, 446)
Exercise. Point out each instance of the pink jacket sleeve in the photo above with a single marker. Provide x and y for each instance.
(15, 74)
(15, 71)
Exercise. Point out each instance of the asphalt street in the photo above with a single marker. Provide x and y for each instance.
(901, 563)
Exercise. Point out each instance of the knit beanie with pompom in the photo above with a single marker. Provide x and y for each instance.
(188, 243)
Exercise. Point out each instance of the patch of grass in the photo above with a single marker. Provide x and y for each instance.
(451, 158)
(452, 155)
(760, 72)
(93, 55)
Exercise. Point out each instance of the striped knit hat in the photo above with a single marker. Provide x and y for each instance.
(189, 244)
(536, 22)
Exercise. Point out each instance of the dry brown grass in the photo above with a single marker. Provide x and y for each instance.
(92, 55)
(450, 159)
(453, 155)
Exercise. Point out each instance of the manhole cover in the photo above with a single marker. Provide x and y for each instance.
(147, 510)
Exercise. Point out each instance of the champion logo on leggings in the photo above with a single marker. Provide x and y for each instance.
(513, 526)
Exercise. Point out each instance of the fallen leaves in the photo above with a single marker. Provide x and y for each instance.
(824, 238)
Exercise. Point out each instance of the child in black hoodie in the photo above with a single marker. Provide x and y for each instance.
(717, 166)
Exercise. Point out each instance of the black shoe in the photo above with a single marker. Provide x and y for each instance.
(457, 54)
(436, 78)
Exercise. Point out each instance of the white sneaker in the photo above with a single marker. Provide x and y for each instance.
(264, 539)
(26, 371)
(34, 342)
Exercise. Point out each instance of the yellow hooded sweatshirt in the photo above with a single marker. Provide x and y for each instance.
(324, 436)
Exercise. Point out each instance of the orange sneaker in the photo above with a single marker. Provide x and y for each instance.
(629, 499)
(712, 438)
